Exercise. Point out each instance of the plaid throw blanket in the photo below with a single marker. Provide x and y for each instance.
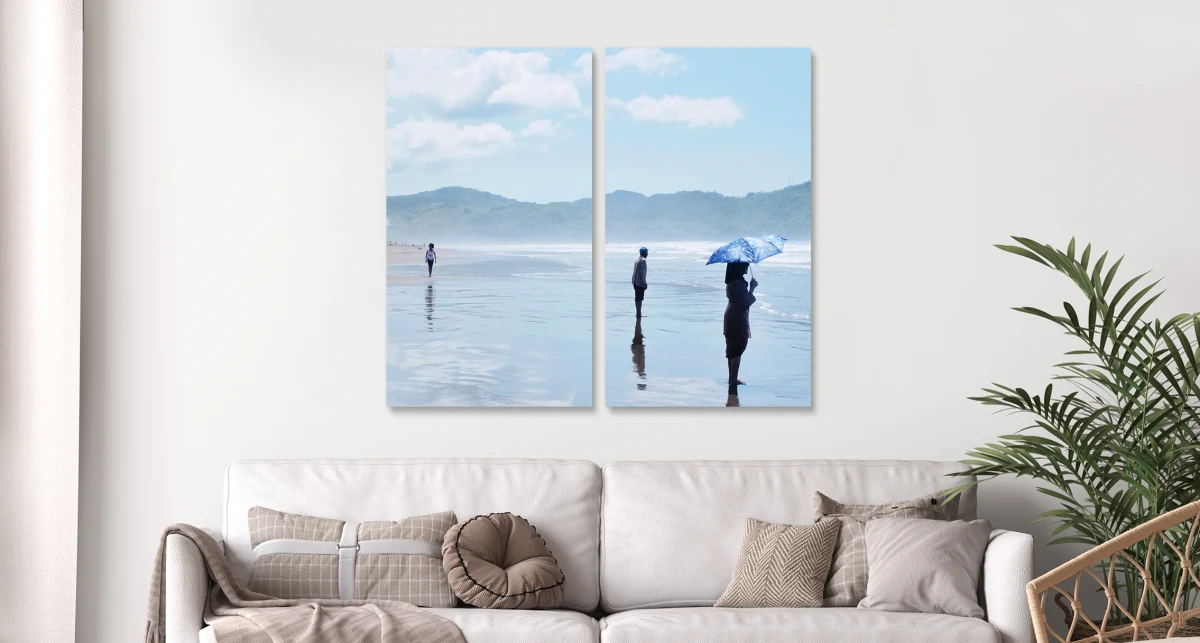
(239, 615)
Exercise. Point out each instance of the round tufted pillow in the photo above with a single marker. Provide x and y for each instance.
(499, 560)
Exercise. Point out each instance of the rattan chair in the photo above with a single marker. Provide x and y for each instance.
(1123, 561)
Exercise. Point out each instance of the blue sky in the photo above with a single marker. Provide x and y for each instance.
(726, 120)
(514, 122)
(518, 122)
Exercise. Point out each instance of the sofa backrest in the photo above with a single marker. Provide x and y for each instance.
(560, 498)
(671, 530)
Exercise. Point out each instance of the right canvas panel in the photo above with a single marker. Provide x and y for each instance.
(708, 238)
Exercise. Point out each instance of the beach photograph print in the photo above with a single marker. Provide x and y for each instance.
(489, 227)
(708, 221)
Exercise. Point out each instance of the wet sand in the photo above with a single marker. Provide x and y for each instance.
(675, 355)
(493, 327)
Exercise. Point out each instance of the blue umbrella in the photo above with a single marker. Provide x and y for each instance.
(748, 250)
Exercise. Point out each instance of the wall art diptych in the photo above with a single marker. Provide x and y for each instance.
(708, 227)
(489, 227)
(708, 271)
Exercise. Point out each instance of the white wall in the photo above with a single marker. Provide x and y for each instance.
(233, 293)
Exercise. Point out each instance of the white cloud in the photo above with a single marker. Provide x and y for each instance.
(539, 91)
(418, 143)
(543, 148)
(583, 67)
(545, 128)
(695, 112)
(456, 79)
(647, 61)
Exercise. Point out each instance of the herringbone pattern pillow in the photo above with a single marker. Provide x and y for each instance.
(781, 565)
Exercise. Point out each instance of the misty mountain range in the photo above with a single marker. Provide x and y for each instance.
(463, 214)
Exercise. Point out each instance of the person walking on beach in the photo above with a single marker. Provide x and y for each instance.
(737, 318)
(639, 280)
(430, 259)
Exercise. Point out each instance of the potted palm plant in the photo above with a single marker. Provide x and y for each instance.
(1113, 438)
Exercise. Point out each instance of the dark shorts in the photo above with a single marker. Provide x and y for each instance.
(430, 263)
(639, 293)
(735, 346)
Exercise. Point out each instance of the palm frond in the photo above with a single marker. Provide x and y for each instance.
(1124, 445)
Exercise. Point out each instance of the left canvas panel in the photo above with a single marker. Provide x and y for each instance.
(489, 227)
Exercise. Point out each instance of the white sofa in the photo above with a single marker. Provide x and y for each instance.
(647, 547)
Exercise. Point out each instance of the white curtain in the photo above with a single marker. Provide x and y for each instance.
(41, 101)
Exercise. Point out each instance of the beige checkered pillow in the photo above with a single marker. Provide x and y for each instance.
(847, 583)
(300, 557)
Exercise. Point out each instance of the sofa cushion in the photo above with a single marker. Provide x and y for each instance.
(847, 584)
(657, 512)
(309, 557)
(781, 565)
(507, 626)
(771, 625)
(499, 561)
(561, 497)
(926, 565)
(526, 626)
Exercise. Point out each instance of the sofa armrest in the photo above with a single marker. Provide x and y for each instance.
(1007, 569)
(186, 580)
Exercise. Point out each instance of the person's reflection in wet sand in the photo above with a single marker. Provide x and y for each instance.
(429, 304)
(639, 354)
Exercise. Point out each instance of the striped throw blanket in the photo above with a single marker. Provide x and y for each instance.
(239, 615)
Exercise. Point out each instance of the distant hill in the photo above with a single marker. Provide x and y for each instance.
(463, 214)
(632, 217)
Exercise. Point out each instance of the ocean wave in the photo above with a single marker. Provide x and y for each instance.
(793, 253)
(565, 274)
(766, 307)
(535, 249)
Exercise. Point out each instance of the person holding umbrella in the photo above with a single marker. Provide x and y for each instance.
(737, 256)
(737, 317)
